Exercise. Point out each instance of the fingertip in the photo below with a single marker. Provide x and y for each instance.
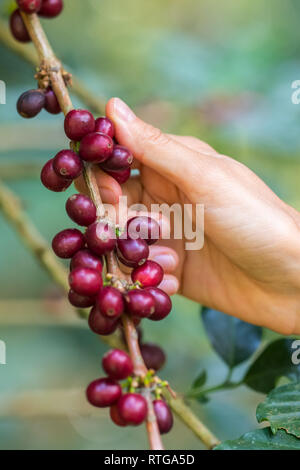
(170, 284)
(110, 190)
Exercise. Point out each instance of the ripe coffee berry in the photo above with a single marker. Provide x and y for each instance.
(51, 8)
(101, 238)
(163, 415)
(85, 281)
(110, 302)
(103, 392)
(51, 180)
(150, 274)
(163, 303)
(132, 253)
(120, 159)
(100, 324)
(115, 416)
(120, 176)
(66, 243)
(18, 28)
(132, 408)
(81, 209)
(30, 103)
(143, 227)
(67, 164)
(86, 259)
(29, 6)
(105, 126)
(96, 147)
(79, 123)
(153, 356)
(51, 102)
(139, 303)
(80, 301)
(117, 364)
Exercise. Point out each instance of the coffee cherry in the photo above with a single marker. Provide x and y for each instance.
(79, 123)
(51, 102)
(163, 303)
(133, 408)
(67, 164)
(163, 415)
(120, 176)
(139, 303)
(96, 147)
(29, 6)
(154, 357)
(143, 227)
(80, 301)
(115, 416)
(105, 126)
(150, 274)
(66, 243)
(81, 210)
(30, 103)
(120, 159)
(100, 324)
(51, 8)
(51, 180)
(117, 364)
(132, 253)
(110, 302)
(103, 392)
(85, 281)
(86, 259)
(101, 238)
(18, 28)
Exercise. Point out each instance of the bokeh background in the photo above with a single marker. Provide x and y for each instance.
(219, 70)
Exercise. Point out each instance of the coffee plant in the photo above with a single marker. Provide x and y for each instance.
(118, 303)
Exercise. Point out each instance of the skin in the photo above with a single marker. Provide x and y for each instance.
(249, 266)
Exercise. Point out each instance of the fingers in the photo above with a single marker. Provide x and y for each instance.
(168, 259)
(109, 188)
(169, 284)
(194, 144)
(151, 147)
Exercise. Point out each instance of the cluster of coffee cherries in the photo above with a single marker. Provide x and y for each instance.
(44, 8)
(130, 408)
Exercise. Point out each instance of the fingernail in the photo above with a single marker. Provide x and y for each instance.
(108, 196)
(168, 262)
(170, 286)
(123, 111)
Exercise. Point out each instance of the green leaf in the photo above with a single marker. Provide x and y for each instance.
(282, 409)
(200, 380)
(273, 362)
(262, 439)
(233, 339)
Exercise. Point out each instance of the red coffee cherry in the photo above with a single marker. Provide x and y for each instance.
(105, 126)
(115, 416)
(103, 392)
(51, 102)
(110, 302)
(86, 259)
(101, 238)
(133, 408)
(143, 227)
(30, 103)
(117, 364)
(51, 180)
(67, 164)
(96, 147)
(100, 324)
(29, 6)
(132, 253)
(51, 8)
(79, 123)
(81, 210)
(85, 281)
(120, 176)
(80, 301)
(163, 303)
(18, 28)
(119, 159)
(66, 243)
(154, 357)
(163, 415)
(139, 303)
(150, 274)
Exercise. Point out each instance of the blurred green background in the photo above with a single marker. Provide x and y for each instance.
(219, 70)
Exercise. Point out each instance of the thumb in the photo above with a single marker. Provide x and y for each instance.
(150, 146)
